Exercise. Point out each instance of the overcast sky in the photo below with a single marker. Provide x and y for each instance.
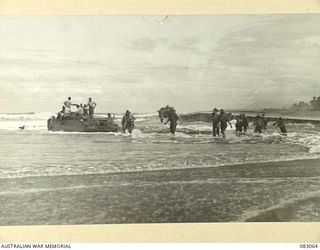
(142, 63)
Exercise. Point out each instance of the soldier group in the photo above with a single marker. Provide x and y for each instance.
(82, 110)
(220, 122)
(261, 123)
(88, 110)
(220, 119)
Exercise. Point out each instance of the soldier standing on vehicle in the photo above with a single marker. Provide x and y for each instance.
(91, 105)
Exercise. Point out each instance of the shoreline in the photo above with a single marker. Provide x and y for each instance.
(170, 171)
(217, 194)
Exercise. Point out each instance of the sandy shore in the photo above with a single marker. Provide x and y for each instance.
(247, 192)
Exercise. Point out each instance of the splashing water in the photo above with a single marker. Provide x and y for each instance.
(149, 147)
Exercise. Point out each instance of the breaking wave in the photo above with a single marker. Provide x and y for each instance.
(32, 116)
(32, 121)
(311, 141)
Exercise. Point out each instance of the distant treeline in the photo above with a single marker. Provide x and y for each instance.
(314, 104)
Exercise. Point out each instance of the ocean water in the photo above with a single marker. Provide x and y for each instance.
(153, 176)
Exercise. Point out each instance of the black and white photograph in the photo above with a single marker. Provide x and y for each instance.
(116, 119)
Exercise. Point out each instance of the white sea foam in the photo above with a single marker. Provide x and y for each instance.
(29, 124)
(137, 133)
(311, 141)
(31, 121)
(25, 116)
(315, 149)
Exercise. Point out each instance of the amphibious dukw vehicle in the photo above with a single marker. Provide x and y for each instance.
(76, 123)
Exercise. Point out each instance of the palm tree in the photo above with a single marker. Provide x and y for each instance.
(314, 103)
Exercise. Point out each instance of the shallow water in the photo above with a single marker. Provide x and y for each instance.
(215, 177)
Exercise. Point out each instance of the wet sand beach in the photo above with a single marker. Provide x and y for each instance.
(279, 191)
